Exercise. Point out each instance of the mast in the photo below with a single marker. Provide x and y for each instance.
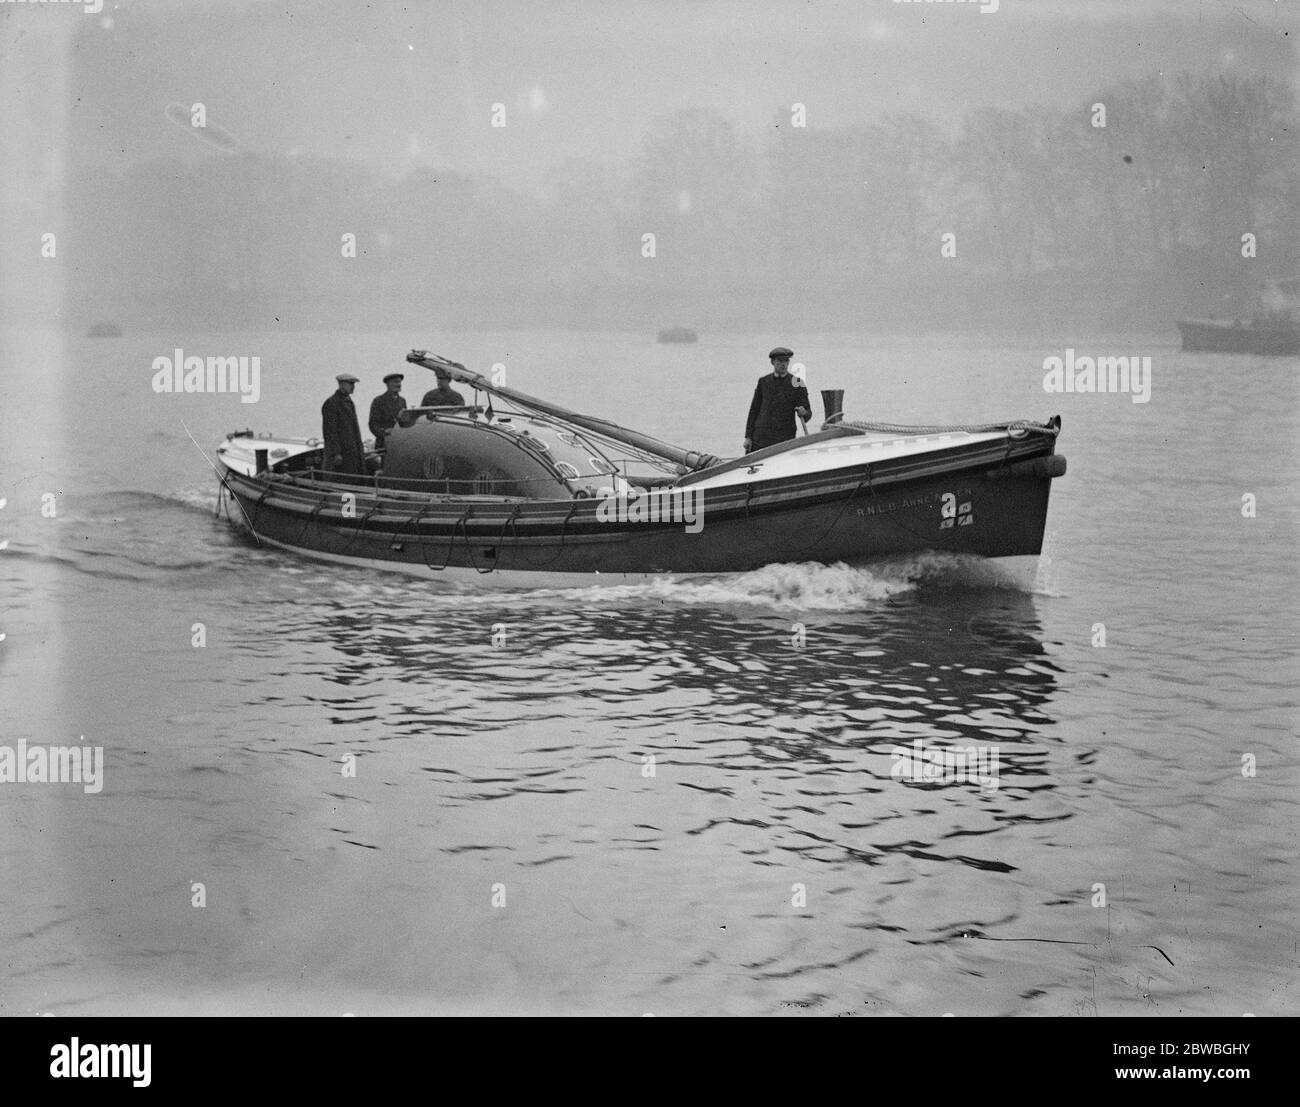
(690, 459)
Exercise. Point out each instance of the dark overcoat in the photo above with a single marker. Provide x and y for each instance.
(384, 411)
(342, 435)
(771, 412)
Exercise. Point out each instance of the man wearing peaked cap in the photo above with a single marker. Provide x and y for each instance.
(385, 408)
(778, 398)
(339, 429)
(444, 395)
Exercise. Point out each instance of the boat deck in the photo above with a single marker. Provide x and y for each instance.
(844, 450)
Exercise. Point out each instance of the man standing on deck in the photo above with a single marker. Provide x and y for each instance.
(778, 398)
(340, 430)
(385, 408)
(443, 395)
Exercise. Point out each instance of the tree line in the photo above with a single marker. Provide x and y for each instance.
(1152, 197)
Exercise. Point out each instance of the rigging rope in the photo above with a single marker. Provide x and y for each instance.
(1023, 426)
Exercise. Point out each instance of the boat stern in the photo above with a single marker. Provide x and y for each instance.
(244, 453)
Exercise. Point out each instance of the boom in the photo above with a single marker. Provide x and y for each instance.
(689, 459)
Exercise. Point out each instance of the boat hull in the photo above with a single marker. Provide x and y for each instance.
(990, 503)
(1209, 336)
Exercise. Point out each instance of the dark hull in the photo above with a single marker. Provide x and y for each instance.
(1273, 340)
(978, 500)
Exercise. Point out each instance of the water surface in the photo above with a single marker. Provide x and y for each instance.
(674, 807)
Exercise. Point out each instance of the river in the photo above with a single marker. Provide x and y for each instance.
(396, 796)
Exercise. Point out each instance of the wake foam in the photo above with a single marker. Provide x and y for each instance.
(932, 569)
(121, 503)
(809, 586)
(804, 585)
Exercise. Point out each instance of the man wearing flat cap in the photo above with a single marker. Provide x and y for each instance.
(385, 408)
(339, 429)
(778, 398)
(444, 395)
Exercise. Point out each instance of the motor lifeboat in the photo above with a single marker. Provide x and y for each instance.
(515, 491)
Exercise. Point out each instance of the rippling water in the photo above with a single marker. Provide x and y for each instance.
(676, 798)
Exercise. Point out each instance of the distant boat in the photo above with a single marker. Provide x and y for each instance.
(104, 330)
(1266, 337)
(1272, 332)
(678, 334)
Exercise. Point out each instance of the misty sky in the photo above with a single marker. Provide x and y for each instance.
(375, 118)
(399, 85)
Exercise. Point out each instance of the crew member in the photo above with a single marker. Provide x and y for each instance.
(444, 395)
(385, 408)
(340, 430)
(778, 398)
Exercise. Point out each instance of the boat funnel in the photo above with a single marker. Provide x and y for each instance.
(833, 402)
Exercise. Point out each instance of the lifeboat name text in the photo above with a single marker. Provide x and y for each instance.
(886, 506)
